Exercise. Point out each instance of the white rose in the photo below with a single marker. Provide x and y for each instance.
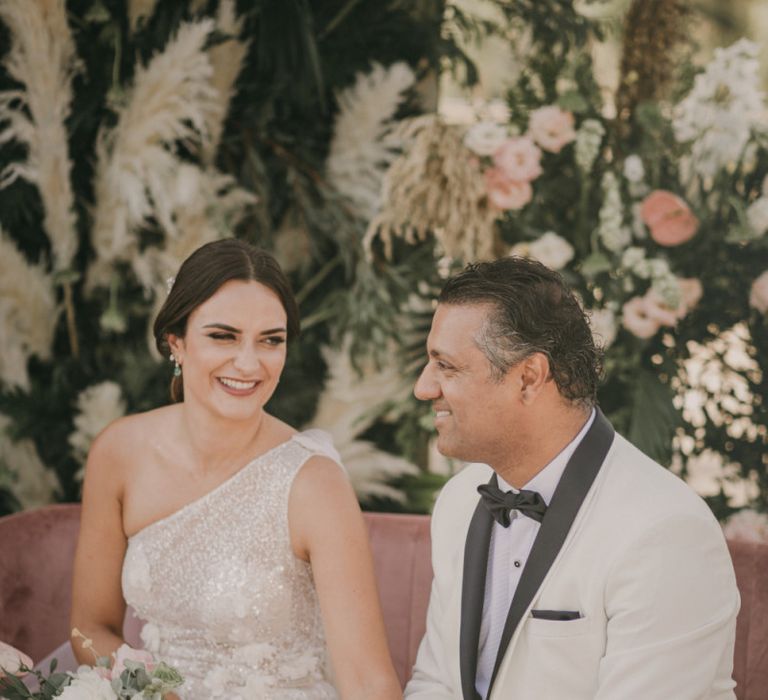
(88, 685)
(150, 637)
(758, 295)
(484, 138)
(633, 169)
(551, 250)
(757, 216)
(603, 324)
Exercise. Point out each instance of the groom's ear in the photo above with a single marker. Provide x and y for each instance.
(534, 375)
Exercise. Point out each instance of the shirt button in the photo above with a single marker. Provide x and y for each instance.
(517, 563)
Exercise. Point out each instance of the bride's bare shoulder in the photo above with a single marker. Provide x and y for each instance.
(125, 439)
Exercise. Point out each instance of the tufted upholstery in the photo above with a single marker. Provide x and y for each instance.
(36, 568)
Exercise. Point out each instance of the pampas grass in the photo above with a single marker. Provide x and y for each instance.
(32, 484)
(200, 206)
(363, 144)
(139, 10)
(226, 61)
(172, 100)
(28, 314)
(435, 187)
(97, 406)
(346, 409)
(42, 58)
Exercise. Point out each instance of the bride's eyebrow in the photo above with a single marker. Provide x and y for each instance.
(223, 327)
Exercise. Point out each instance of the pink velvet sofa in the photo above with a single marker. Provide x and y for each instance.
(36, 567)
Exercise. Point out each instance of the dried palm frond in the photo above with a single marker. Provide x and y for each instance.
(435, 187)
(363, 146)
(172, 101)
(28, 313)
(227, 61)
(654, 31)
(42, 58)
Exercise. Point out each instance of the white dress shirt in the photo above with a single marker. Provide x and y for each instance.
(508, 552)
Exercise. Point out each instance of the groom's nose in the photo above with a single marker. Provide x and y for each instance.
(426, 387)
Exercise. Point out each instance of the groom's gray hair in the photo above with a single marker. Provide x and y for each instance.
(531, 309)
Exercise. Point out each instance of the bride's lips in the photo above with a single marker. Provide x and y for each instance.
(238, 387)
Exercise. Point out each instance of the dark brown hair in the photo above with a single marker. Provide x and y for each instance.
(200, 277)
(533, 310)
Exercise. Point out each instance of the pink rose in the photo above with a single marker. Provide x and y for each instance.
(635, 318)
(504, 193)
(758, 294)
(668, 217)
(128, 653)
(551, 128)
(518, 158)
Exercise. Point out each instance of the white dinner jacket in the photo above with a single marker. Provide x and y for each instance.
(627, 546)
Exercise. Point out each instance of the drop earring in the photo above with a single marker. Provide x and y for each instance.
(176, 366)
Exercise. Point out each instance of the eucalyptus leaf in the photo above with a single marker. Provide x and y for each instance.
(654, 417)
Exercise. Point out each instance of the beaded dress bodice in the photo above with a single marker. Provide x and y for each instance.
(224, 599)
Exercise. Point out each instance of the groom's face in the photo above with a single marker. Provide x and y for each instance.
(474, 412)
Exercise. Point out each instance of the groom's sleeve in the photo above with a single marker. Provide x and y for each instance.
(432, 672)
(671, 602)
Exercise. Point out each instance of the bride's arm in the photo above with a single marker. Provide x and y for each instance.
(328, 530)
(98, 607)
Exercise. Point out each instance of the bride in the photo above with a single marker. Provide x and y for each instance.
(238, 540)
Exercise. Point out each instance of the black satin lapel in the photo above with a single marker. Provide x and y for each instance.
(577, 478)
(472, 595)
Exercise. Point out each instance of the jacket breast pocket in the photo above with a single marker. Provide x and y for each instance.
(545, 627)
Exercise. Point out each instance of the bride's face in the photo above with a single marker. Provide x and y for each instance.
(234, 350)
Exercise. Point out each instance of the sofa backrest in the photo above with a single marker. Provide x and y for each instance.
(36, 570)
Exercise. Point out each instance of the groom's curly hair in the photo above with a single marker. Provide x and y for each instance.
(533, 310)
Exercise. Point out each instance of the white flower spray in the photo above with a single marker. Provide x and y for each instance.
(614, 235)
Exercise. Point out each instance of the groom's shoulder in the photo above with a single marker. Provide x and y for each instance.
(635, 482)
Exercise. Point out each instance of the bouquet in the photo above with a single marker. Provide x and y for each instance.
(132, 674)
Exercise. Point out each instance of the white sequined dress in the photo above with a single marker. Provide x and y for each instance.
(224, 599)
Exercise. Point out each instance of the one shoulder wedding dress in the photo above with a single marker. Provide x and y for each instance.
(224, 599)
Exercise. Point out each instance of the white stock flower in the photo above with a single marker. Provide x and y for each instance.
(632, 259)
(725, 103)
(484, 138)
(603, 325)
(551, 250)
(588, 140)
(88, 685)
(757, 216)
(97, 406)
(747, 526)
(612, 231)
(633, 168)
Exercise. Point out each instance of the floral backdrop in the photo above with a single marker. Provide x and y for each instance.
(131, 132)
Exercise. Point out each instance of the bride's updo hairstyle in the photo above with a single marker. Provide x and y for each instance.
(200, 277)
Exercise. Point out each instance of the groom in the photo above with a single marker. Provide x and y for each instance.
(567, 564)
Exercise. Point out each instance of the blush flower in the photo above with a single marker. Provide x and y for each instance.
(504, 193)
(551, 128)
(636, 320)
(12, 659)
(758, 294)
(669, 218)
(128, 653)
(518, 158)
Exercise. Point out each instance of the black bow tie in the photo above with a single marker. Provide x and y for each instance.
(499, 503)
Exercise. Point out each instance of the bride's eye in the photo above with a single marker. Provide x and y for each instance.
(274, 340)
(221, 336)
